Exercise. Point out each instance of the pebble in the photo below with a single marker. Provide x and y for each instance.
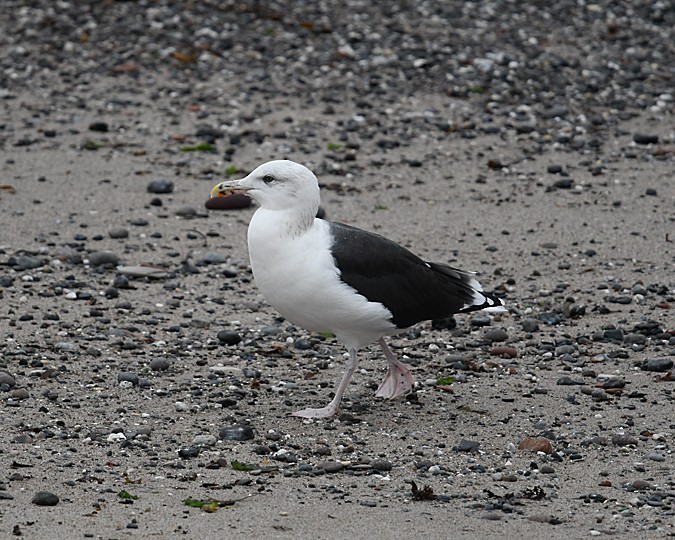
(381, 465)
(504, 351)
(331, 466)
(496, 334)
(657, 364)
(536, 444)
(7, 381)
(566, 380)
(19, 394)
(236, 433)
(550, 318)
(45, 498)
(98, 258)
(624, 440)
(27, 262)
(641, 485)
(480, 320)
(101, 127)
(129, 377)
(530, 325)
(228, 337)
(159, 364)
(466, 445)
(187, 212)
(204, 440)
(642, 138)
(160, 186)
(118, 233)
(213, 258)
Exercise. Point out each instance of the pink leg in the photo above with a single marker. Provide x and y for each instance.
(398, 380)
(332, 408)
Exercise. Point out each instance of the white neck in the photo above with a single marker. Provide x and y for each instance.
(281, 223)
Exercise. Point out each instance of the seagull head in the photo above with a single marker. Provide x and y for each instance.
(276, 185)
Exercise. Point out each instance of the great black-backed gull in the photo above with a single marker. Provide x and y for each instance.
(331, 277)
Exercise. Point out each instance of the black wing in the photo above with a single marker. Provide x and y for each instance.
(412, 289)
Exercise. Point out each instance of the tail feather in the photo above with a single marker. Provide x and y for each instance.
(475, 298)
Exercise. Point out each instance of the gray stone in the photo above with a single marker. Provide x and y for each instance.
(98, 258)
(45, 498)
(236, 432)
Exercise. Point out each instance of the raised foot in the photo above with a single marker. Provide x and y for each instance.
(323, 412)
(396, 382)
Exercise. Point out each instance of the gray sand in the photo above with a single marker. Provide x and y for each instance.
(585, 268)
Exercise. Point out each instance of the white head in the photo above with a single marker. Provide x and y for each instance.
(277, 185)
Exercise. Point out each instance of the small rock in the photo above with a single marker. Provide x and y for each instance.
(536, 444)
(641, 485)
(26, 262)
(642, 138)
(118, 232)
(465, 445)
(19, 394)
(613, 382)
(45, 498)
(496, 334)
(128, 376)
(236, 433)
(160, 185)
(98, 258)
(204, 440)
(159, 364)
(504, 351)
(7, 379)
(657, 364)
(480, 320)
(101, 127)
(530, 325)
(187, 212)
(213, 258)
(381, 465)
(331, 466)
(228, 337)
(550, 318)
(564, 183)
(566, 380)
(624, 440)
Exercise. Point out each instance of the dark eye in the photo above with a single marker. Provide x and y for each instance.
(268, 178)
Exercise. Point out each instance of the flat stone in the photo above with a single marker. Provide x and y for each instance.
(45, 498)
(496, 334)
(657, 364)
(536, 444)
(159, 364)
(118, 232)
(236, 433)
(161, 185)
(98, 258)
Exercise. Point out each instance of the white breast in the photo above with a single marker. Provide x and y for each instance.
(296, 273)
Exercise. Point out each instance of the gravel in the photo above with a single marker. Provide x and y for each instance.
(531, 143)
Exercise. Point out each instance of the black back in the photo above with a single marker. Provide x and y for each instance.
(412, 289)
